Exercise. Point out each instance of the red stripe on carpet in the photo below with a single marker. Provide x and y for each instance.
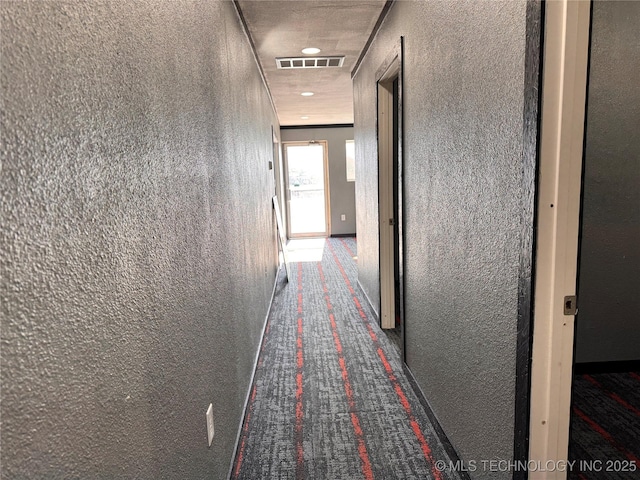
(245, 429)
(299, 387)
(612, 395)
(362, 449)
(424, 445)
(349, 251)
(426, 450)
(355, 420)
(635, 375)
(606, 435)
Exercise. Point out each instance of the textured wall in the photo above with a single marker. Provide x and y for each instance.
(137, 242)
(607, 322)
(342, 194)
(463, 99)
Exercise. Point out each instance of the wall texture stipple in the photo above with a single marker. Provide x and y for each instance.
(463, 102)
(137, 246)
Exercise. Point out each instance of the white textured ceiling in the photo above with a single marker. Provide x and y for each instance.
(284, 28)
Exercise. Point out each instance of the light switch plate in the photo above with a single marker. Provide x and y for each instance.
(210, 429)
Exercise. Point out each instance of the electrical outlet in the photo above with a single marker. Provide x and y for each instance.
(343, 217)
(210, 429)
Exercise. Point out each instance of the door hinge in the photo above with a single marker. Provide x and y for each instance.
(570, 305)
(392, 222)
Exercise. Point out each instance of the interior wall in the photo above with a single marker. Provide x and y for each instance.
(463, 101)
(608, 301)
(137, 241)
(342, 194)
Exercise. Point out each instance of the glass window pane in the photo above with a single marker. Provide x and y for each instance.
(350, 147)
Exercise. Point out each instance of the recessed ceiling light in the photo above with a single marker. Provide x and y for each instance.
(304, 117)
(306, 94)
(310, 50)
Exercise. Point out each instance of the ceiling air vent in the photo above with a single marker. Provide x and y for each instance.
(308, 62)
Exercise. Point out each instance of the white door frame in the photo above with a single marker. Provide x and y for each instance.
(561, 155)
(327, 203)
(386, 217)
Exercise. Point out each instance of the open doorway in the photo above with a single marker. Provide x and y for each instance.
(570, 392)
(390, 198)
(564, 80)
(307, 185)
(605, 402)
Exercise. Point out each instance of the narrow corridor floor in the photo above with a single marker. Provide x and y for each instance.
(330, 399)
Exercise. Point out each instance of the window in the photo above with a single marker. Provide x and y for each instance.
(350, 148)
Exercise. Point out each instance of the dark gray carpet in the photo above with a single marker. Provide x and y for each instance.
(330, 399)
(605, 426)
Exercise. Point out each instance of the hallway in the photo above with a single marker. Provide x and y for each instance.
(330, 398)
(141, 147)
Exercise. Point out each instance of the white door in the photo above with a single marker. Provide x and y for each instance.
(387, 149)
(307, 189)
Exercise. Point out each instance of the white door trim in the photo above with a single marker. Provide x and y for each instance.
(327, 193)
(385, 186)
(561, 144)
